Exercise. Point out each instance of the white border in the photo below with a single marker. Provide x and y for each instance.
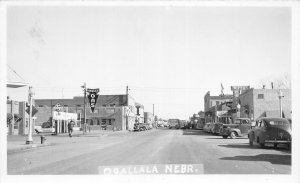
(295, 177)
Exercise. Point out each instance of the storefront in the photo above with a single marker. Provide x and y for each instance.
(61, 120)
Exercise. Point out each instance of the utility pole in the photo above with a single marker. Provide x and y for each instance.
(280, 104)
(29, 138)
(153, 109)
(84, 112)
(127, 95)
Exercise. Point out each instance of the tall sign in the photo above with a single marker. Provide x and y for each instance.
(93, 96)
(237, 90)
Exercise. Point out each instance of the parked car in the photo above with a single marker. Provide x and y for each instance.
(216, 128)
(271, 131)
(207, 127)
(139, 127)
(240, 127)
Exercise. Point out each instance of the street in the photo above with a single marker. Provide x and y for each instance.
(84, 154)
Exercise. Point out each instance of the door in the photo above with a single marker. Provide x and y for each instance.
(244, 126)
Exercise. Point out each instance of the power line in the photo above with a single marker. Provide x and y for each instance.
(16, 73)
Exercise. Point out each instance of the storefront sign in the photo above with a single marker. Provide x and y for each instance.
(93, 96)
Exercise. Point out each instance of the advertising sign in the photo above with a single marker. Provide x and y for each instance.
(93, 96)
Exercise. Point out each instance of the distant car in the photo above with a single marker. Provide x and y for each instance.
(207, 127)
(239, 128)
(139, 127)
(271, 131)
(39, 129)
(216, 128)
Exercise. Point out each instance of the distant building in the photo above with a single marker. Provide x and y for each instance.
(211, 103)
(112, 112)
(148, 117)
(256, 103)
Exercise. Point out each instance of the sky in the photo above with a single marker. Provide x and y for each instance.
(168, 56)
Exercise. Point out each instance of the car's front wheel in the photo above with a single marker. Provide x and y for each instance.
(233, 135)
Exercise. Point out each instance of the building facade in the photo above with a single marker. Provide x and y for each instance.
(255, 103)
(112, 112)
(148, 117)
(17, 118)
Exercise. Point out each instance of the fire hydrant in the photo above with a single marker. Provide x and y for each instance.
(42, 139)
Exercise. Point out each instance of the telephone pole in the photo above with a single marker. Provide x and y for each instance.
(280, 95)
(29, 139)
(84, 111)
(127, 95)
(153, 109)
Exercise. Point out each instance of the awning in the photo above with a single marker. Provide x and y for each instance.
(16, 84)
(17, 117)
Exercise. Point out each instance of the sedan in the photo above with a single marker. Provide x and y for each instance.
(271, 131)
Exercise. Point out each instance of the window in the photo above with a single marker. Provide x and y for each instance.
(95, 111)
(260, 96)
(104, 105)
(109, 122)
(262, 123)
(110, 110)
(103, 121)
(112, 105)
(98, 122)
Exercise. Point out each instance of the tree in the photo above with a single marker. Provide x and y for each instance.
(283, 82)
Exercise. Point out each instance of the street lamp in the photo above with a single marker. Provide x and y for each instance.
(280, 95)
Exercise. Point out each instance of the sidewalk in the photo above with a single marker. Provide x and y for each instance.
(16, 143)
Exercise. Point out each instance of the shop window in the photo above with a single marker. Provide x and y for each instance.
(260, 96)
(110, 110)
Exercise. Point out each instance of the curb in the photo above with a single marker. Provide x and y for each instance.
(32, 146)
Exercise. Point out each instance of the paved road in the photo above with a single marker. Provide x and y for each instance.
(83, 155)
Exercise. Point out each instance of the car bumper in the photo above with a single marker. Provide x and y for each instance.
(278, 141)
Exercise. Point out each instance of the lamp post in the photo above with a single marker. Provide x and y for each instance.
(84, 112)
(29, 139)
(280, 95)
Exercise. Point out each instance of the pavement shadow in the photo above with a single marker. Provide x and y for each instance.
(195, 132)
(220, 137)
(272, 158)
(247, 146)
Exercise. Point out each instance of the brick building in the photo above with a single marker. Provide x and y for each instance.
(112, 112)
(265, 103)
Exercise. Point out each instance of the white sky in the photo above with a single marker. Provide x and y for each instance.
(169, 56)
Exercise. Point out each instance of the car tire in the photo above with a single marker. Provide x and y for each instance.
(225, 136)
(289, 146)
(233, 135)
(250, 140)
